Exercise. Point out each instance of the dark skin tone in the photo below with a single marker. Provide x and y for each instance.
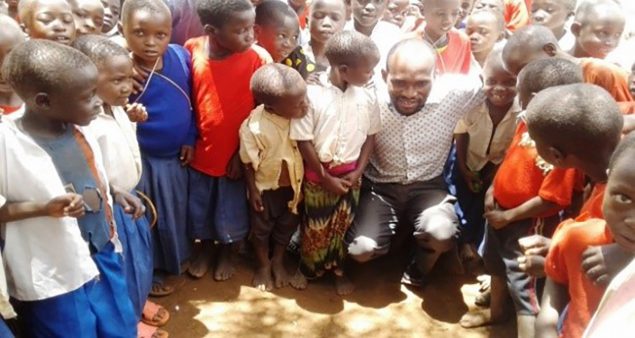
(327, 17)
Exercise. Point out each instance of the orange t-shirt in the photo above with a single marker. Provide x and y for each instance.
(516, 14)
(592, 207)
(456, 57)
(519, 178)
(563, 263)
(6, 110)
(222, 101)
(608, 76)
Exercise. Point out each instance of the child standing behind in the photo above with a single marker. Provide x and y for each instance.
(10, 36)
(598, 28)
(336, 138)
(273, 168)
(482, 137)
(555, 14)
(485, 28)
(59, 25)
(54, 159)
(327, 17)
(166, 139)
(222, 65)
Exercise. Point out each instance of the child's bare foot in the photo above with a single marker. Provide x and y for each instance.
(343, 285)
(479, 318)
(280, 274)
(262, 279)
(202, 260)
(298, 281)
(225, 267)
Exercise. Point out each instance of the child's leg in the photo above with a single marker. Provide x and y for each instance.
(286, 224)
(261, 226)
(230, 224)
(202, 192)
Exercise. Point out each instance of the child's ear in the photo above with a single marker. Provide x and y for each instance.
(342, 69)
(209, 29)
(551, 49)
(42, 100)
(575, 29)
(557, 156)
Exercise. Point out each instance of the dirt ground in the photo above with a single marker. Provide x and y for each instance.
(380, 307)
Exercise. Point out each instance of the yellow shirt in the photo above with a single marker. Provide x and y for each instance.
(265, 144)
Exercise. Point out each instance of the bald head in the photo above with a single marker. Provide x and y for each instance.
(413, 51)
(528, 44)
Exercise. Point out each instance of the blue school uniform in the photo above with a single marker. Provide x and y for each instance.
(170, 125)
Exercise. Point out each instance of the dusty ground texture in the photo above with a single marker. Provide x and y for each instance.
(380, 307)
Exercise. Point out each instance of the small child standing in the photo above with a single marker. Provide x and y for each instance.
(273, 168)
(336, 138)
(482, 137)
(60, 25)
(10, 36)
(277, 31)
(555, 14)
(485, 29)
(53, 158)
(578, 126)
(327, 17)
(166, 139)
(88, 16)
(223, 63)
(598, 26)
(396, 12)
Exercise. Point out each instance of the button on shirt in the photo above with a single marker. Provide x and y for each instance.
(415, 148)
(487, 144)
(265, 144)
(338, 122)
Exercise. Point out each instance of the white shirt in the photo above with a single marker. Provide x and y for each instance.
(337, 122)
(567, 41)
(487, 145)
(117, 138)
(6, 310)
(615, 316)
(44, 257)
(415, 148)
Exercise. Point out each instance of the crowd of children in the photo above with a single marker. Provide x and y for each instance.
(143, 139)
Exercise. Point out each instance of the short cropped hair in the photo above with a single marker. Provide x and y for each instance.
(217, 12)
(625, 147)
(545, 73)
(152, 6)
(577, 118)
(42, 66)
(587, 7)
(98, 48)
(273, 81)
(273, 12)
(349, 47)
(498, 17)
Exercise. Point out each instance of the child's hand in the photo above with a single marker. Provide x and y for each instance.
(602, 263)
(139, 77)
(130, 203)
(235, 168)
(187, 154)
(473, 181)
(354, 179)
(68, 205)
(136, 112)
(535, 245)
(335, 185)
(490, 204)
(533, 265)
(498, 219)
(255, 199)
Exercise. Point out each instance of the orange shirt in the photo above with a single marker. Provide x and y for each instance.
(456, 57)
(592, 207)
(516, 14)
(608, 76)
(519, 178)
(563, 263)
(6, 110)
(222, 101)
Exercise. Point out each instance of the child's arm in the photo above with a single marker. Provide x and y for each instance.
(554, 299)
(532, 208)
(354, 177)
(254, 195)
(235, 167)
(333, 184)
(601, 263)
(462, 144)
(68, 205)
(130, 203)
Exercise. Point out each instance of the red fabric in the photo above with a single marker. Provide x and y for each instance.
(563, 263)
(457, 56)
(6, 110)
(302, 18)
(516, 14)
(519, 179)
(592, 207)
(222, 101)
(608, 76)
(337, 171)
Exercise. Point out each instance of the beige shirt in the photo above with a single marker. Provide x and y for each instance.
(338, 122)
(117, 138)
(6, 310)
(487, 145)
(265, 144)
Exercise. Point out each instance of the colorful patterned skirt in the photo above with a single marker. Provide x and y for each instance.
(326, 219)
